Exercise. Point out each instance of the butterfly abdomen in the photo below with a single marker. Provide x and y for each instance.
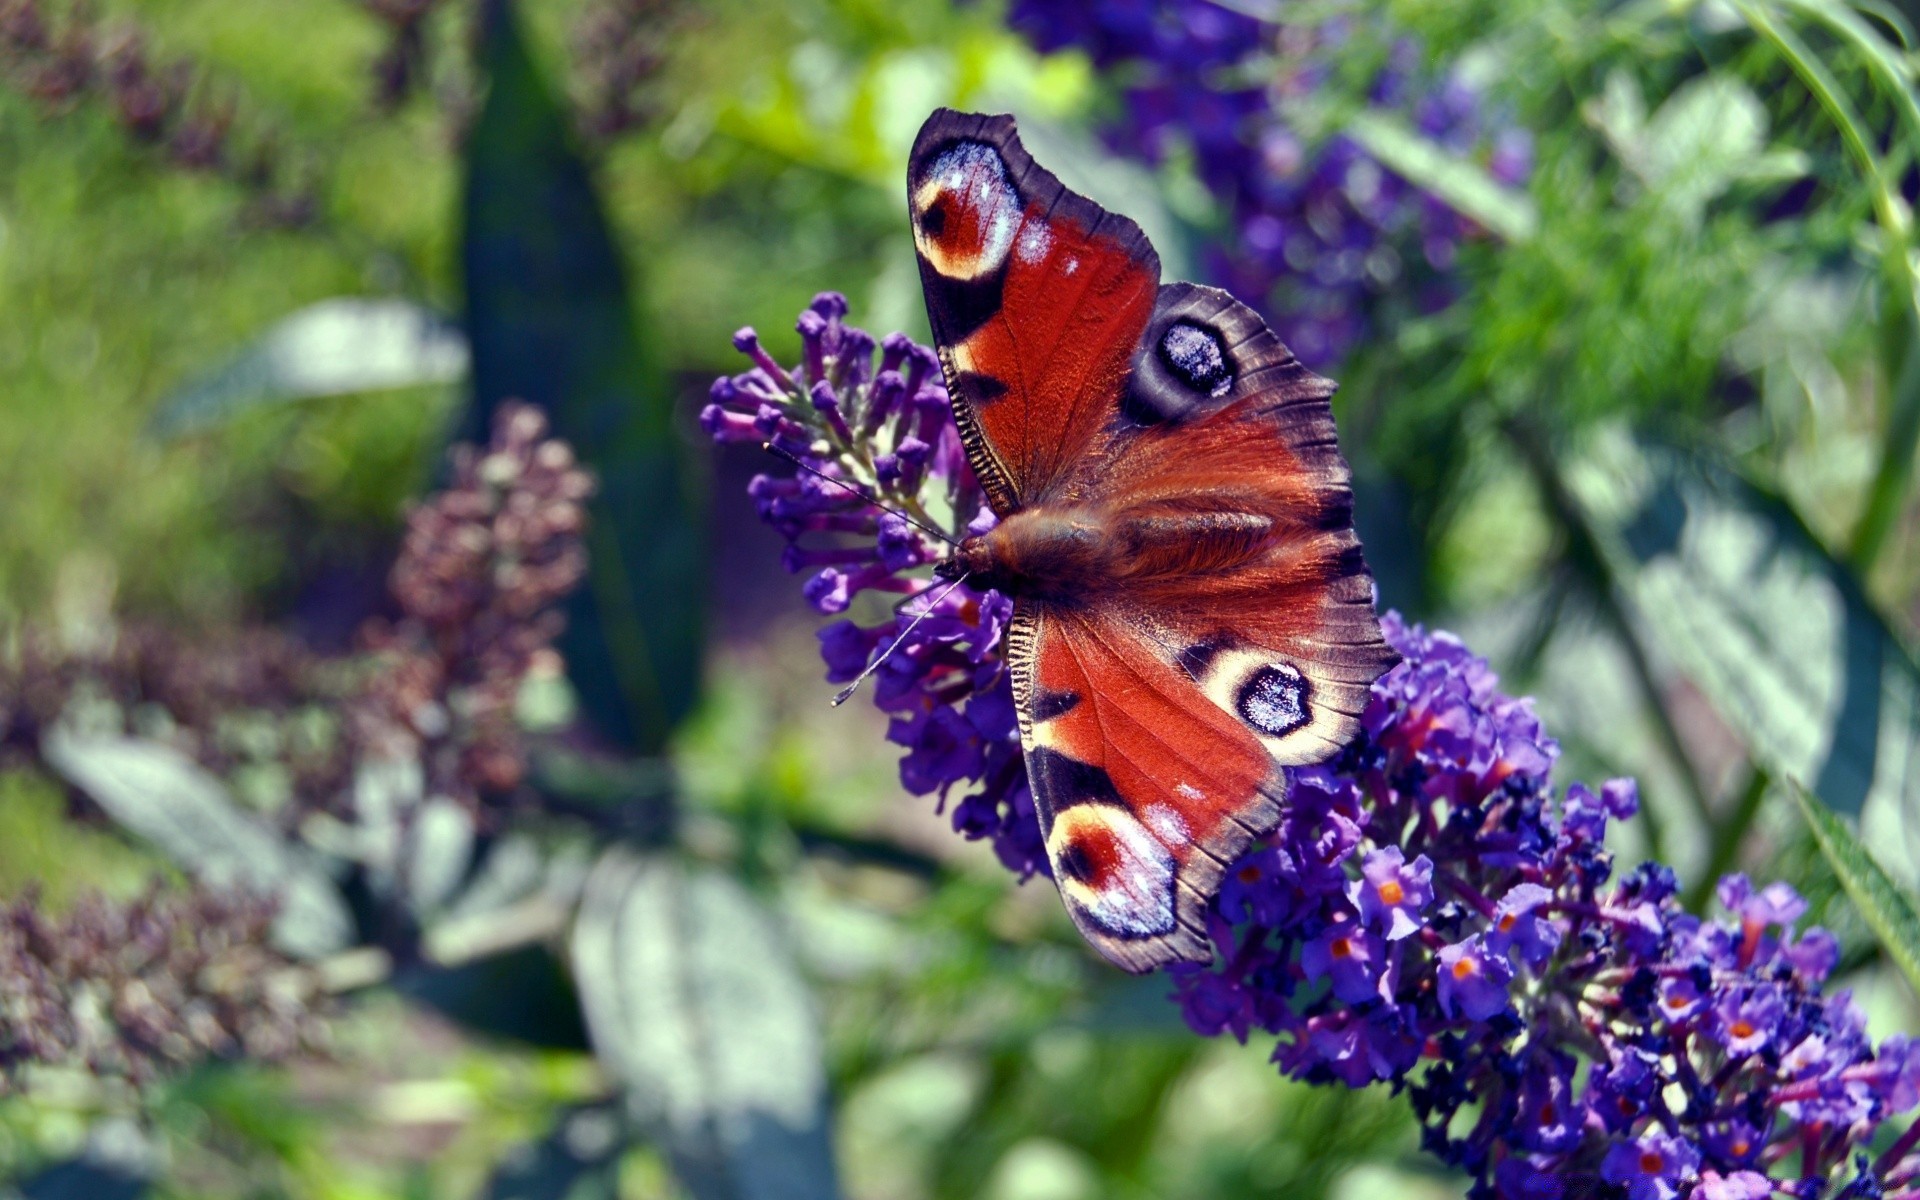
(1063, 554)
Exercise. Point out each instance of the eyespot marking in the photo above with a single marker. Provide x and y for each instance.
(1273, 700)
(967, 212)
(1197, 357)
(1114, 873)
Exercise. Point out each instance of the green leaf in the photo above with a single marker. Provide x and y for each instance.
(1709, 135)
(552, 320)
(415, 849)
(333, 348)
(1888, 909)
(694, 1003)
(1777, 633)
(167, 799)
(1459, 181)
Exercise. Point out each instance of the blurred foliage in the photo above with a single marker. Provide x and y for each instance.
(1706, 265)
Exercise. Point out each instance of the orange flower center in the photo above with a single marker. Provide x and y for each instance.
(1465, 968)
(1249, 874)
(1342, 948)
(1743, 1029)
(1651, 1162)
(1507, 923)
(1391, 892)
(1676, 1003)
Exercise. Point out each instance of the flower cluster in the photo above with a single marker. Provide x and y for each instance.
(248, 704)
(882, 479)
(127, 990)
(1319, 230)
(1430, 914)
(619, 47)
(483, 567)
(171, 106)
(478, 581)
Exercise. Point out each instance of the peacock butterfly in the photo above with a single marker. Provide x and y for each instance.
(1192, 612)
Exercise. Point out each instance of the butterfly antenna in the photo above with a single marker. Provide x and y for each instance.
(861, 492)
(846, 693)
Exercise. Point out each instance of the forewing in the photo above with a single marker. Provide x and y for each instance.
(1146, 792)
(1037, 297)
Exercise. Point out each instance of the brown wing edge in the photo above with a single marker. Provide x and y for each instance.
(1032, 182)
(1197, 877)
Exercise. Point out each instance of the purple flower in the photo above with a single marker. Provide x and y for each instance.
(1745, 1023)
(1518, 926)
(1652, 1167)
(1352, 957)
(1549, 1117)
(1473, 979)
(1431, 912)
(1391, 892)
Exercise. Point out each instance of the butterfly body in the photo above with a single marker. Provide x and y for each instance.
(1192, 611)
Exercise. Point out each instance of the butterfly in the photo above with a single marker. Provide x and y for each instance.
(1192, 612)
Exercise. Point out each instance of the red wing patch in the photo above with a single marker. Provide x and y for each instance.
(1145, 791)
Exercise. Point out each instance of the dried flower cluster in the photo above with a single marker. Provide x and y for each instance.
(1317, 232)
(403, 65)
(480, 575)
(128, 990)
(1430, 915)
(175, 107)
(234, 701)
(484, 564)
(619, 47)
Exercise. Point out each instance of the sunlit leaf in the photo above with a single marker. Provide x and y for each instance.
(694, 1004)
(1462, 183)
(1707, 136)
(165, 798)
(1770, 626)
(333, 348)
(552, 319)
(1890, 910)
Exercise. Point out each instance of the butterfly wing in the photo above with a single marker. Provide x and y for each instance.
(1037, 297)
(1145, 792)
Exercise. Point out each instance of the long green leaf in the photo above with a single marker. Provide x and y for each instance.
(1888, 909)
(332, 348)
(552, 320)
(695, 1006)
(1461, 183)
(165, 798)
(1773, 629)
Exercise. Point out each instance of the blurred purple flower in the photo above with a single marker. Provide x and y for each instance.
(1317, 234)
